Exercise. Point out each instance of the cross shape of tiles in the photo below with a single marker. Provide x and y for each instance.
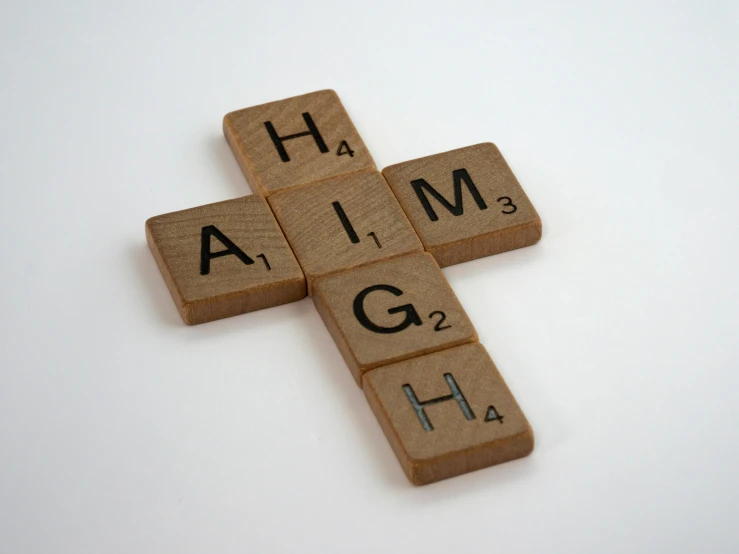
(368, 247)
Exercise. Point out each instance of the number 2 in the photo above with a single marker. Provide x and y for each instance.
(439, 326)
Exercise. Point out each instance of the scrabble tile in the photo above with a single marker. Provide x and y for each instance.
(342, 223)
(465, 203)
(448, 413)
(390, 311)
(225, 259)
(295, 141)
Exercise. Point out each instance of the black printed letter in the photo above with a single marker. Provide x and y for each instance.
(411, 315)
(345, 222)
(456, 395)
(458, 175)
(206, 255)
(278, 140)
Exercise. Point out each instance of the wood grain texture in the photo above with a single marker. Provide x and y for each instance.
(231, 286)
(452, 443)
(497, 219)
(374, 325)
(311, 218)
(303, 159)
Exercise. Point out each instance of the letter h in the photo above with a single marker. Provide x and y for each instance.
(456, 395)
(278, 140)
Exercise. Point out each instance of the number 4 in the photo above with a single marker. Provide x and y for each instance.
(493, 415)
(344, 149)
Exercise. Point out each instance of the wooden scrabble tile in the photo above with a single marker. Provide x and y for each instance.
(342, 223)
(465, 203)
(390, 311)
(448, 413)
(295, 141)
(225, 259)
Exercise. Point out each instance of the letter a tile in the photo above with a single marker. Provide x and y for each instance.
(448, 413)
(390, 311)
(465, 204)
(295, 141)
(225, 259)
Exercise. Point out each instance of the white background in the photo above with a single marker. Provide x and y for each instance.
(124, 431)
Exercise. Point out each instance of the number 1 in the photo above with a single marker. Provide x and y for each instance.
(265, 261)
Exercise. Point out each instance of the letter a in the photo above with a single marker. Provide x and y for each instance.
(206, 255)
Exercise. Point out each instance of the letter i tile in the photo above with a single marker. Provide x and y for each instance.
(342, 223)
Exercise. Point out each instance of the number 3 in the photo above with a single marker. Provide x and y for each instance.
(509, 203)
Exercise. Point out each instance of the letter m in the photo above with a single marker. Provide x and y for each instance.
(458, 175)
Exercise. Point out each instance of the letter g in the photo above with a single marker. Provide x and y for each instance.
(411, 316)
